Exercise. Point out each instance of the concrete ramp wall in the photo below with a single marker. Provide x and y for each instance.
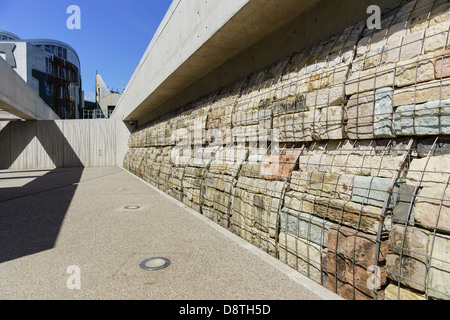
(62, 144)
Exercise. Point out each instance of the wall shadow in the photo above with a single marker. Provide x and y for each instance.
(31, 215)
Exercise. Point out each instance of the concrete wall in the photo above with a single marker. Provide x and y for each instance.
(356, 196)
(18, 98)
(62, 144)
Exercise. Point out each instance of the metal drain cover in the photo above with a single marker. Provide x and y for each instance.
(155, 263)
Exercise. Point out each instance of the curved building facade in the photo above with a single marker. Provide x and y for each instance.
(5, 35)
(52, 68)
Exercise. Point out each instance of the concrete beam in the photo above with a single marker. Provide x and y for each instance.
(6, 116)
(19, 99)
(194, 39)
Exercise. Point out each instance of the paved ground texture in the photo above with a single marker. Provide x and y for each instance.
(65, 235)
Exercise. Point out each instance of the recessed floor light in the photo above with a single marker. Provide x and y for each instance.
(132, 207)
(155, 263)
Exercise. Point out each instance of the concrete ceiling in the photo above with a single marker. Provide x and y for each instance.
(251, 22)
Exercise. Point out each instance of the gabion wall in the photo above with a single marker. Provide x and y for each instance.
(335, 160)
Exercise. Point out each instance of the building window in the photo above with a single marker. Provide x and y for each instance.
(61, 92)
(49, 88)
(48, 66)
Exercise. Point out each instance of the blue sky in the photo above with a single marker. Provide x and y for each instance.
(113, 37)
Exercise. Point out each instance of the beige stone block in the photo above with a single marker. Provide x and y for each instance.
(411, 46)
(436, 171)
(435, 41)
(439, 281)
(419, 259)
(369, 80)
(302, 202)
(309, 163)
(432, 209)
(392, 293)
(360, 112)
(422, 93)
(302, 255)
(364, 165)
(322, 184)
(413, 71)
(328, 123)
(329, 96)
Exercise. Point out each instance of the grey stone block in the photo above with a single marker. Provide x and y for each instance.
(405, 196)
(305, 226)
(383, 110)
(373, 191)
(442, 146)
(431, 118)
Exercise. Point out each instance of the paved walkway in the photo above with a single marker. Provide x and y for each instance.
(68, 227)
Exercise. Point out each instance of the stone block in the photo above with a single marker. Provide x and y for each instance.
(355, 215)
(350, 264)
(252, 170)
(411, 271)
(435, 174)
(432, 209)
(370, 114)
(370, 80)
(392, 293)
(422, 93)
(363, 165)
(325, 97)
(439, 281)
(405, 196)
(383, 110)
(309, 163)
(302, 255)
(436, 40)
(442, 66)
(360, 110)
(419, 260)
(442, 147)
(305, 226)
(278, 167)
(414, 71)
(322, 184)
(327, 123)
(431, 118)
(293, 127)
(373, 191)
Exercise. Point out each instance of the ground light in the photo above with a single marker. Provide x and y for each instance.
(155, 263)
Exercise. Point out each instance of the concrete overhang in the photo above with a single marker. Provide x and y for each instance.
(19, 99)
(195, 38)
(6, 116)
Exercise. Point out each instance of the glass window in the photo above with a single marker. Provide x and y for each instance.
(48, 88)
